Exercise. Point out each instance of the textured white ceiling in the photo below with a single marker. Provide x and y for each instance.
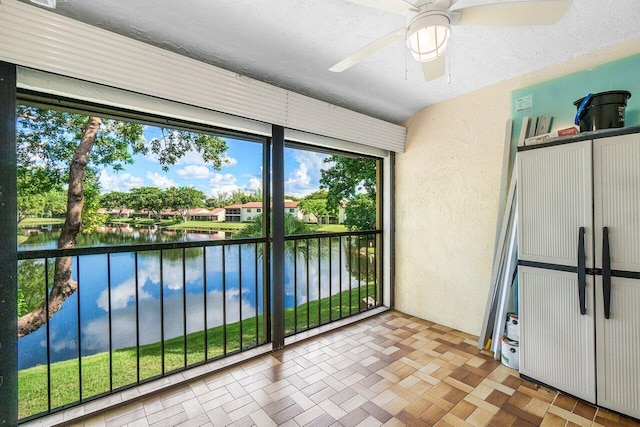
(292, 43)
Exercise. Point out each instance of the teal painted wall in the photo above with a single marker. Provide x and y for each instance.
(556, 97)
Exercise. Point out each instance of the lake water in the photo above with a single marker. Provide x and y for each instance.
(105, 298)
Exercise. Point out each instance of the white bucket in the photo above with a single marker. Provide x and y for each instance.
(513, 327)
(510, 353)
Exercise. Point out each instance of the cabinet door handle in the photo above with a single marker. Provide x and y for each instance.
(606, 272)
(582, 273)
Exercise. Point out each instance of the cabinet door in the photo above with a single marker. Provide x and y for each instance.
(617, 200)
(618, 344)
(556, 341)
(554, 201)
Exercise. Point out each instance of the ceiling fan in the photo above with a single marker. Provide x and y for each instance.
(429, 26)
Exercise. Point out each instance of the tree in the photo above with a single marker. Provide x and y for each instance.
(31, 285)
(316, 204)
(292, 225)
(353, 180)
(33, 184)
(182, 199)
(30, 204)
(50, 137)
(115, 200)
(91, 219)
(237, 197)
(147, 198)
(70, 147)
(43, 204)
(55, 201)
(347, 177)
(360, 213)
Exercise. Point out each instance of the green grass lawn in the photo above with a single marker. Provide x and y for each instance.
(120, 220)
(32, 382)
(330, 228)
(144, 221)
(37, 222)
(207, 226)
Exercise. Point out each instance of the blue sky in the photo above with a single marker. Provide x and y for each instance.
(242, 171)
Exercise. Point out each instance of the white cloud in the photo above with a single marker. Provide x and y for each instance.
(299, 177)
(222, 179)
(192, 157)
(68, 342)
(229, 161)
(95, 335)
(194, 172)
(119, 182)
(189, 158)
(160, 181)
(125, 292)
(255, 184)
(122, 294)
(222, 183)
(172, 274)
(305, 178)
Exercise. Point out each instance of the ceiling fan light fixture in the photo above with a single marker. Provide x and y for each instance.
(428, 35)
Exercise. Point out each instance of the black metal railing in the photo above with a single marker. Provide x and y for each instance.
(141, 312)
(332, 276)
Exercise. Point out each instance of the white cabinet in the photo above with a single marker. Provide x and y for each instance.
(618, 345)
(617, 203)
(579, 226)
(556, 342)
(554, 201)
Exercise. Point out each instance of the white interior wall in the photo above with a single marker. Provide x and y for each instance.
(447, 184)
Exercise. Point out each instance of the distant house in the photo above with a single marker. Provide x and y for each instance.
(144, 213)
(169, 214)
(119, 212)
(203, 214)
(341, 212)
(218, 214)
(331, 219)
(249, 211)
(311, 218)
(336, 218)
(126, 212)
(199, 214)
(232, 213)
(291, 208)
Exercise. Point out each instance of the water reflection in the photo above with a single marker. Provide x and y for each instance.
(140, 311)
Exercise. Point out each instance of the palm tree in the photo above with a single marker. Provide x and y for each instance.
(292, 226)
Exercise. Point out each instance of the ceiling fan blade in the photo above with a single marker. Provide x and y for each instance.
(393, 6)
(512, 13)
(369, 49)
(433, 69)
